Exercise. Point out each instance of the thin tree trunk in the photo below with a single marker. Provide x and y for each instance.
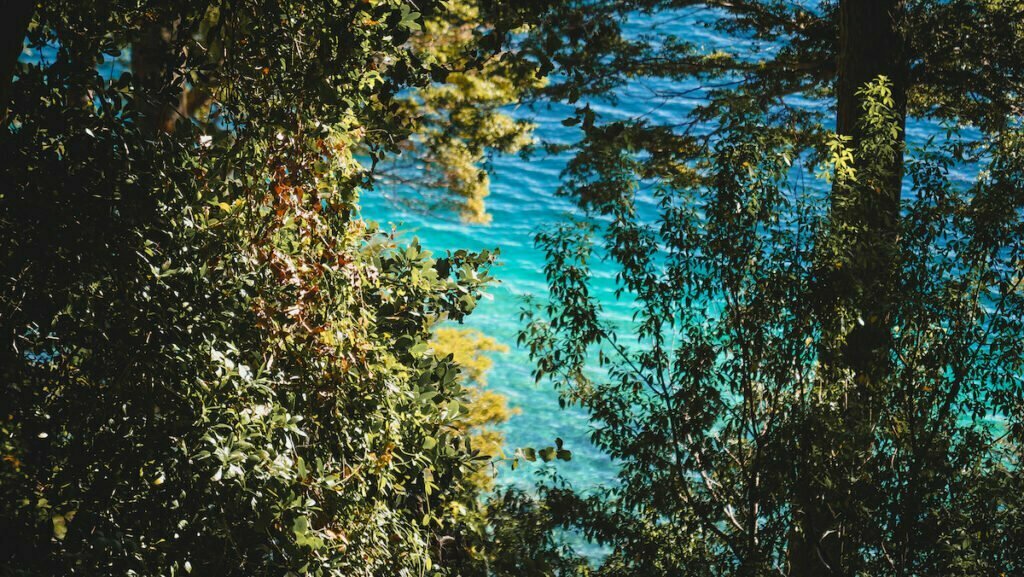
(152, 62)
(15, 16)
(168, 99)
(855, 302)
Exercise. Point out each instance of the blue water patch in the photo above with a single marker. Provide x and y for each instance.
(523, 201)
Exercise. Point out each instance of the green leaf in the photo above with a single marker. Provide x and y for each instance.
(300, 526)
(60, 526)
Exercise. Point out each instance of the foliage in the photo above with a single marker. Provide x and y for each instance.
(714, 414)
(464, 550)
(468, 347)
(821, 379)
(524, 537)
(487, 409)
(509, 534)
(209, 366)
(456, 124)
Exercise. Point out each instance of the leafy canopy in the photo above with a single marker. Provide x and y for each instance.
(819, 379)
(209, 365)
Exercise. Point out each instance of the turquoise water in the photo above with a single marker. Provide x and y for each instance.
(523, 201)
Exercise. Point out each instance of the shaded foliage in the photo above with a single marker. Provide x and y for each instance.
(771, 414)
(722, 411)
(209, 366)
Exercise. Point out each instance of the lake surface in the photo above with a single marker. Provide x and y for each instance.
(522, 201)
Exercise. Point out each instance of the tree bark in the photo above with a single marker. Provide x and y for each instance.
(855, 299)
(870, 44)
(13, 26)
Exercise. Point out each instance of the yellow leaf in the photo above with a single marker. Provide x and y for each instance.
(60, 526)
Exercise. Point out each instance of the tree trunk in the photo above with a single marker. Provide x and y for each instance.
(152, 66)
(13, 25)
(855, 297)
(865, 216)
(167, 99)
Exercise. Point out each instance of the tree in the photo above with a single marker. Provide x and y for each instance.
(487, 408)
(466, 549)
(763, 418)
(457, 124)
(209, 365)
